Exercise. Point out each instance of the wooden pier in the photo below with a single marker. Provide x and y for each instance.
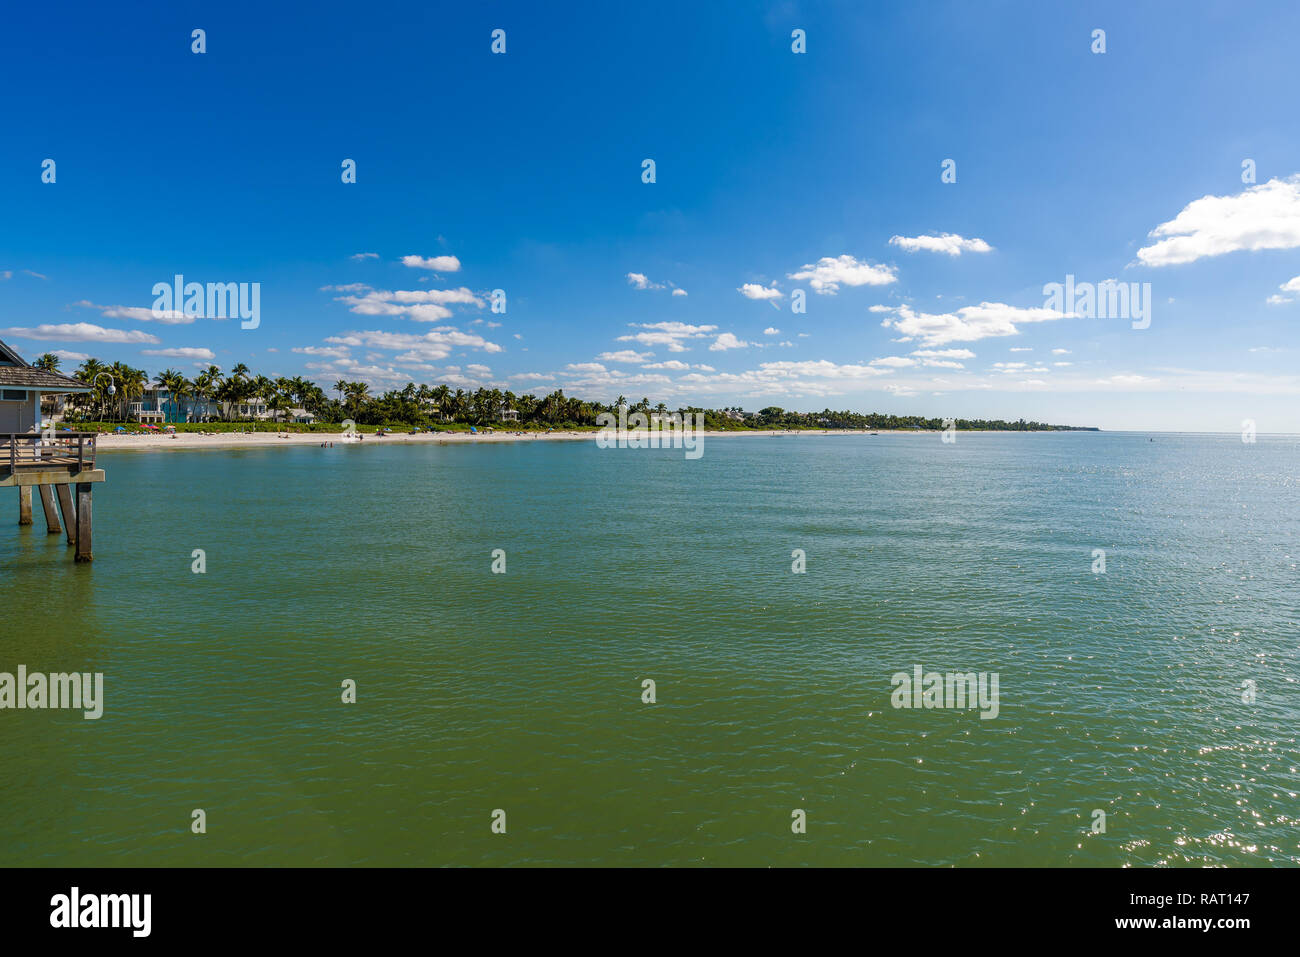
(61, 468)
(59, 465)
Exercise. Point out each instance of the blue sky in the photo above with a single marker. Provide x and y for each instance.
(524, 172)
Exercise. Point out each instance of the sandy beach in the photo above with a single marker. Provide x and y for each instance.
(228, 440)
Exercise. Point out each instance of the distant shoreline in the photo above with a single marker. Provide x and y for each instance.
(251, 440)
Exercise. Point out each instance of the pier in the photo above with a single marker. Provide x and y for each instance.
(58, 466)
(61, 470)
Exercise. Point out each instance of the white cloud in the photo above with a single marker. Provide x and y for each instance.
(669, 334)
(169, 317)
(679, 292)
(333, 352)
(435, 263)
(82, 332)
(944, 353)
(826, 275)
(1291, 286)
(894, 362)
(822, 369)
(1022, 349)
(625, 355)
(1266, 216)
(727, 341)
(949, 244)
(1060, 352)
(1019, 368)
(419, 305)
(585, 367)
(673, 365)
(433, 345)
(771, 331)
(968, 323)
(68, 356)
(752, 290)
(180, 352)
(639, 281)
(361, 256)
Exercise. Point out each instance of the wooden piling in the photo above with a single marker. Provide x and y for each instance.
(83, 522)
(69, 511)
(51, 513)
(24, 505)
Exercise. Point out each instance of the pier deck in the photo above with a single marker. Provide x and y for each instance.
(54, 465)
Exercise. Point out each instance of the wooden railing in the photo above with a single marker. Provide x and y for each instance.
(20, 450)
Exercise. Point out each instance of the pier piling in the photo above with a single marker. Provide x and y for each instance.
(51, 513)
(69, 511)
(83, 522)
(24, 505)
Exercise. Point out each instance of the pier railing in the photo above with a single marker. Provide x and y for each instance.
(25, 450)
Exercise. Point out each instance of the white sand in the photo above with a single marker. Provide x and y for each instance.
(229, 440)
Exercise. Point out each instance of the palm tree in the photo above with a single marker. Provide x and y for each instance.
(441, 396)
(277, 401)
(206, 383)
(49, 362)
(357, 393)
(92, 372)
(339, 387)
(236, 390)
(175, 384)
(130, 385)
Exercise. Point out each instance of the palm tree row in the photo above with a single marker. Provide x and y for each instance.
(210, 394)
(240, 395)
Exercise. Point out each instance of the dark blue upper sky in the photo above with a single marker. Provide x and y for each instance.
(776, 172)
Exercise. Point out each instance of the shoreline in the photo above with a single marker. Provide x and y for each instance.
(231, 440)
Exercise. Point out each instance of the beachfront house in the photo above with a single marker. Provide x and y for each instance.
(151, 407)
(253, 407)
(21, 389)
(157, 405)
(301, 416)
(434, 410)
(509, 415)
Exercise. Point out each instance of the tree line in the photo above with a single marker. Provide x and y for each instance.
(214, 394)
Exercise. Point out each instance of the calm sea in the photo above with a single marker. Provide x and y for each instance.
(1124, 692)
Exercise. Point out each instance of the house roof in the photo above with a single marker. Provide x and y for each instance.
(15, 373)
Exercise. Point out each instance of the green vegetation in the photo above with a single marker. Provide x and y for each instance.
(215, 401)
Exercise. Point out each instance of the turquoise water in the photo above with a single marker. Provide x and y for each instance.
(523, 691)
